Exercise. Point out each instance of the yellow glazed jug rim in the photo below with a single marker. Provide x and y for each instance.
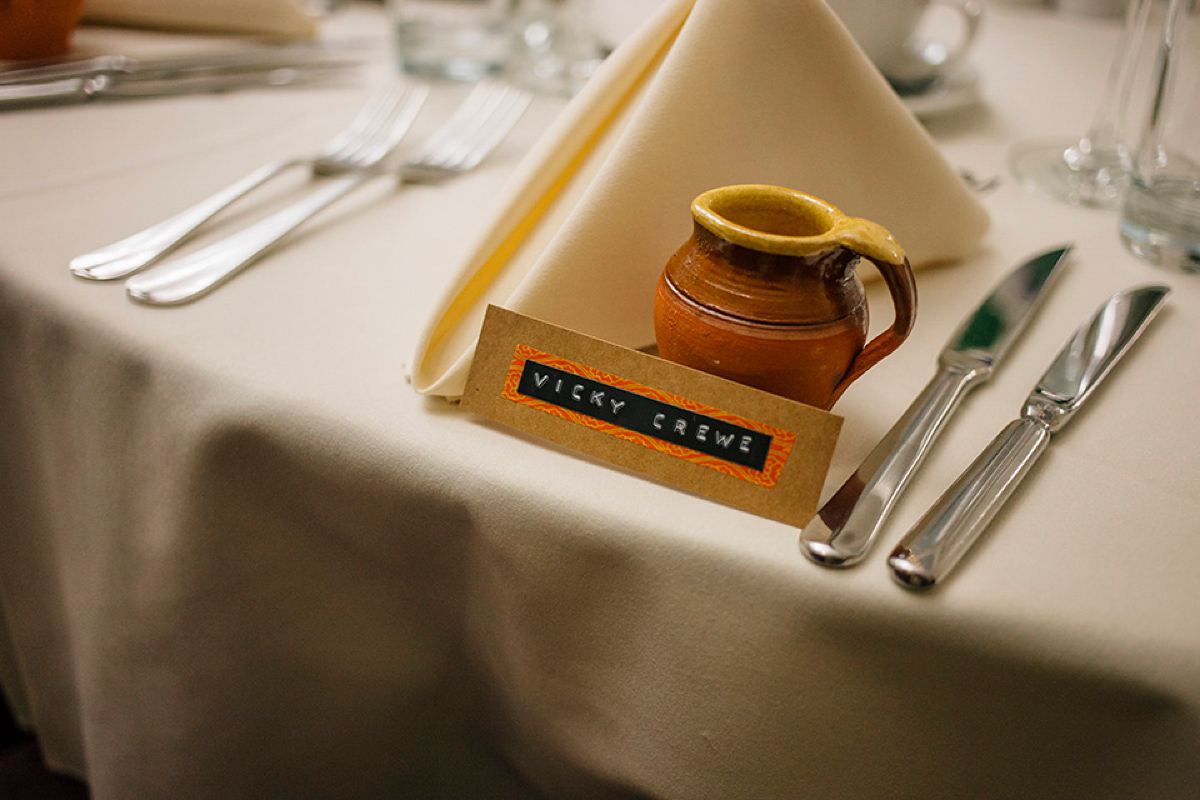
(787, 222)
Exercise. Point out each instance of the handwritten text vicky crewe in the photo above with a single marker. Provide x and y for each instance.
(634, 412)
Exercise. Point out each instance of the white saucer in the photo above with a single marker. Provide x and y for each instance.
(954, 92)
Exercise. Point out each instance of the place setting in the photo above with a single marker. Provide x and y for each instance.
(488, 44)
(540, 47)
(511, 374)
(352, 158)
(596, 398)
(548, 325)
(553, 241)
(586, 198)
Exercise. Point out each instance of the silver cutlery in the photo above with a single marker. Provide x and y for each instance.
(387, 115)
(128, 67)
(126, 77)
(78, 90)
(938, 542)
(977, 183)
(848, 524)
(459, 145)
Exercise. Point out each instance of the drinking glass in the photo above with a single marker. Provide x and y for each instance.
(555, 48)
(1092, 170)
(1160, 220)
(456, 39)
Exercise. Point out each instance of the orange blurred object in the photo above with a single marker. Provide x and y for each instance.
(37, 28)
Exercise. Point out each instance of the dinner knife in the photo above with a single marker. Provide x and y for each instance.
(849, 522)
(248, 59)
(944, 535)
(83, 89)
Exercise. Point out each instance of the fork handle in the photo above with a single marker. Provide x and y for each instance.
(134, 253)
(177, 282)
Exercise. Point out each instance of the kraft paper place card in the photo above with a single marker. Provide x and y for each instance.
(749, 449)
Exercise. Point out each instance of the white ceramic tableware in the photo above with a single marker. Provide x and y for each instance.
(891, 33)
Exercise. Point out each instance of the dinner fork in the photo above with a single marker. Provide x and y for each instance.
(460, 144)
(386, 116)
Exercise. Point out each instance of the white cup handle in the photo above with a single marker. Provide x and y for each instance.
(923, 61)
(971, 12)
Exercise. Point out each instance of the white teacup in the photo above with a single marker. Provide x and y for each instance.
(887, 30)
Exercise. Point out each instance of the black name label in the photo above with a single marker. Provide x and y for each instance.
(645, 415)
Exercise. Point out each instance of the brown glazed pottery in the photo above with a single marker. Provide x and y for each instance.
(32, 29)
(765, 293)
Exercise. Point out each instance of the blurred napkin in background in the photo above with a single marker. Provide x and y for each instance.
(705, 93)
(284, 19)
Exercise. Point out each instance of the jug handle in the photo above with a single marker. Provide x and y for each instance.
(902, 285)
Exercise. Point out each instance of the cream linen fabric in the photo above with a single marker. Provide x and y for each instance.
(288, 19)
(770, 91)
(241, 558)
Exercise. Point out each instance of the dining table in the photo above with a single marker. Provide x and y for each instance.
(241, 557)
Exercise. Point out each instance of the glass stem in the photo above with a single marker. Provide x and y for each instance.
(1102, 144)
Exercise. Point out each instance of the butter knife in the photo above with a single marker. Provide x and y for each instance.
(944, 535)
(80, 90)
(849, 522)
(247, 59)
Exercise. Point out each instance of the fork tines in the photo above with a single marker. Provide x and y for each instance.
(471, 132)
(393, 108)
(371, 117)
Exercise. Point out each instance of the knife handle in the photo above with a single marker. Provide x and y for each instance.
(847, 525)
(60, 92)
(944, 535)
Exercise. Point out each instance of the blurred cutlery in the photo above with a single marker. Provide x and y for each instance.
(388, 113)
(254, 59)
(459, 145)
(977, 184)
(850, 521)
(66, 91)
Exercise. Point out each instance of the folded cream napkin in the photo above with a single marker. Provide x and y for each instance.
(288, 19)
(706, 93)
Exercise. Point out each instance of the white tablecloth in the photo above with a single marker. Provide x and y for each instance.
(240, 557)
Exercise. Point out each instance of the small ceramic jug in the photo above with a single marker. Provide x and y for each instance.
(765, 293)
(36, 29)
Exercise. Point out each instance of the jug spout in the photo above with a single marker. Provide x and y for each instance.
(786, 222)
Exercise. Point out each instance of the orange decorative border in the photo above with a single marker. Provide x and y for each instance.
(777, 455)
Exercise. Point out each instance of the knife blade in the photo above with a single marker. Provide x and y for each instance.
(944, 535)
(847, 525)
(80, 90)
(249, 59)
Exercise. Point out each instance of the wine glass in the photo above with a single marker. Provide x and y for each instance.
(1160, 220)
(1094, 169)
